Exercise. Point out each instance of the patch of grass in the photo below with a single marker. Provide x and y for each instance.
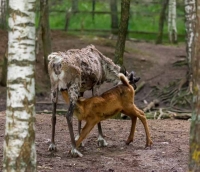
(143, 18)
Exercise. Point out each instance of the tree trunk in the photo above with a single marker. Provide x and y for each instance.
(172, 22)
(45, 30)
(3, 14)
(190, 15)
(19, 153)
(74, 5)
(161, 22)
(114, 16)
(123, 27)
(4, 69)
(194, 158)
(93, 9)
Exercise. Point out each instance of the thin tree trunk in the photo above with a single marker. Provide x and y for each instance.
(3, 14)
(45, 30)
(120, 46)
(194, 161)
(4, 69)
(19, 153)
(114, 16)
(161, 22)
(172, 22)
(74, 5)
(93, 9)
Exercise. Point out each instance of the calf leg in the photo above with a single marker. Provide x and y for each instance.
(133, 125)
(52, 145)
(133, 111)
(85, 131)
(140, 114)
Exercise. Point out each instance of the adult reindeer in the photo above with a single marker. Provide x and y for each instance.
(74, 72)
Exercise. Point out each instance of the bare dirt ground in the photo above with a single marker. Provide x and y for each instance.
(154, 64)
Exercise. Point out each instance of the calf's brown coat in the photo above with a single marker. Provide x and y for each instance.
(113, 101)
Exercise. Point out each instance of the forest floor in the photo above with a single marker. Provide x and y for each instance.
(155, 65)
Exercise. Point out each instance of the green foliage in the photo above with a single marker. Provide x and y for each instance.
(143, 18)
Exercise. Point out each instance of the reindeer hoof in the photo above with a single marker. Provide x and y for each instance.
(52, 147)
(102, 142)
(75, 153)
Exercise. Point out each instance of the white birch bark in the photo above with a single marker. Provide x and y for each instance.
(19, 145)
(172, 30)
(190, 15)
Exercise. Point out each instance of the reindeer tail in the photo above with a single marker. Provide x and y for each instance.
(54, 57)
(124, 80)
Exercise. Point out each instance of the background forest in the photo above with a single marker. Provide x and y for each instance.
(157, 49)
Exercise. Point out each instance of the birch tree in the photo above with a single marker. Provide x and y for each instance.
(123, 27)
(19, 154)
(194, 160)
(190, 16)
(172, 30)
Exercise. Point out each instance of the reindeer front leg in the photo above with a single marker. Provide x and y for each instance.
(101, 141)
(74, 152)
(54, 97)
(73, 96)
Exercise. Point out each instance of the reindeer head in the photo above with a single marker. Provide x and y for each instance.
(133, 79)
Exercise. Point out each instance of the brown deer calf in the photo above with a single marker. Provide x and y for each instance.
(98, 108)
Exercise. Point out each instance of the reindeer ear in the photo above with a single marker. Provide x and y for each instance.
(123, 70)
(131, 77)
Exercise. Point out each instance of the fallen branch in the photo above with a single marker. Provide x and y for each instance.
(151, 105)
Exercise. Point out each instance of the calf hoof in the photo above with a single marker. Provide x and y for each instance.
(148, 144)
(102, 142)
(129, 141)
(75, 153)
(52, 147)
(76, 138)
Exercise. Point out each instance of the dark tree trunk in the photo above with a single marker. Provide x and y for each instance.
(114, 16)
(123, 27)
(45, 31)
(93, 9)
(4, 69)
(74, 5)
(3, 14)
(161, 21)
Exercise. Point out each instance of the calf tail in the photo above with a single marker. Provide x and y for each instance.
(124, 80)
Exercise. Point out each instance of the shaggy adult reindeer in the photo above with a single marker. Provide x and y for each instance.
(76, 71)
